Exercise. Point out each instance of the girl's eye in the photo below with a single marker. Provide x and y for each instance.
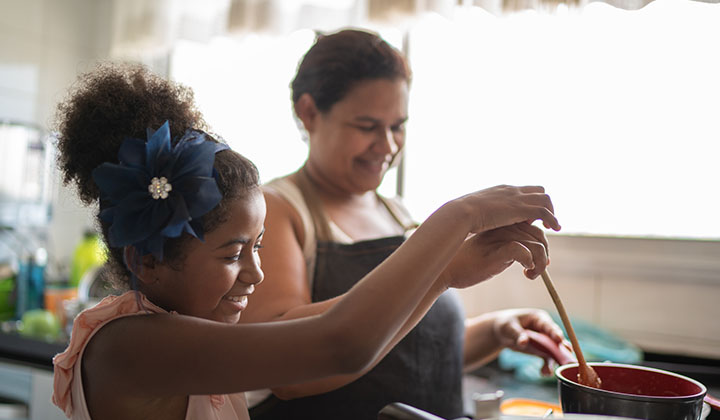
(233, 258)
(238, 256)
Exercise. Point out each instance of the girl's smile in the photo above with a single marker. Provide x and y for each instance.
(220, 273)
(239, 301)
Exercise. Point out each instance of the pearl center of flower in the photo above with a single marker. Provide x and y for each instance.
(159, 188)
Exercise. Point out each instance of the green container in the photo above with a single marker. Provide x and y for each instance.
(89, 253)
(7, 303)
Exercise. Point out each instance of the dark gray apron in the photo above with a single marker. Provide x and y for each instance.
(424, 370)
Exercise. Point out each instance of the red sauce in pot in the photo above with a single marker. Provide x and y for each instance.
(642, 381)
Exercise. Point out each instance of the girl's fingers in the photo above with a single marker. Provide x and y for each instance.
(532, 189)
(548, 218)
(504, 205)
(538, 198)
(516, 251)
(533, 233)
(540, 258)
(546, 210)
(524, 243)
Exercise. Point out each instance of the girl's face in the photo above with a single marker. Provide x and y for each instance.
(220, 273)
(353, 144)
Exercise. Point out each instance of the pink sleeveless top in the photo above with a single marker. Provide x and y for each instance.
(68, 393)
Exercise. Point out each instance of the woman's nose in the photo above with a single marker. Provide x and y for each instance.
(386, 141)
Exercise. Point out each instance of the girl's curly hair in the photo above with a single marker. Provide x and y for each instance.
(115, 101)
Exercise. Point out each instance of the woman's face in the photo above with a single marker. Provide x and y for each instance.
(353, 144)
(219, 273)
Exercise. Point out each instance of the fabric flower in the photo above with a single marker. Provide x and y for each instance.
(158, 191)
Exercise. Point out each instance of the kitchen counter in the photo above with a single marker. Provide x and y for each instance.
(491, 378)
(26, 375)
(15, 348)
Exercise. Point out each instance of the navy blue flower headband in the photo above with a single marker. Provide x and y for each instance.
(158, 191)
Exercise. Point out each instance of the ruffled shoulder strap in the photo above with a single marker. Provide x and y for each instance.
(85, 325)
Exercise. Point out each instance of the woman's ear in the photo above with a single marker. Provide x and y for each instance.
(306, 111)
(144, 267)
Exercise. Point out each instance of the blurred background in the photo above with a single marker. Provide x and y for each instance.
(611, 105)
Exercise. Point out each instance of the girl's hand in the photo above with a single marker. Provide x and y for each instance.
(486, 254)
(509, 328)
(506, 205)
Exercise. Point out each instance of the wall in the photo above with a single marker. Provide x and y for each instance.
(659, 294)
(43, 45)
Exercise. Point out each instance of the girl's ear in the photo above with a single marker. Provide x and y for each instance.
(306, 111)
(144, 267)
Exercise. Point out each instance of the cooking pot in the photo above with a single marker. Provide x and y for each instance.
(627, 390)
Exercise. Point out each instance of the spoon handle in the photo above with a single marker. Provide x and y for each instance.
(564, 316)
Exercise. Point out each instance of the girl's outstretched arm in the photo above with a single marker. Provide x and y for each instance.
(166, 355)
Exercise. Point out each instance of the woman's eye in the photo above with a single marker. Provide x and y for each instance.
(257, 247)
(233, 258)
(367, 129)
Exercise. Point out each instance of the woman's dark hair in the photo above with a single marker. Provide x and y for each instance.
(336, 62)
(116, 101)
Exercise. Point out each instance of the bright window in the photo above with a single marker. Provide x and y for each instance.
(615, 112)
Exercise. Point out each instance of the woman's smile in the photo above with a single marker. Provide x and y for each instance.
(376, 166)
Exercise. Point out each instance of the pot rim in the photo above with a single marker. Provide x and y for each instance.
(585, 388)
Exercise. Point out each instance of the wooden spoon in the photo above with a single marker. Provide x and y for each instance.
(586, 374)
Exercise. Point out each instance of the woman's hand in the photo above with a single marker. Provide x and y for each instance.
(506, 205)
(509, 328)
(487, 254)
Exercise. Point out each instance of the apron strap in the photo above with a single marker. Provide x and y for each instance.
(399, 213)
(314, 205)
(323, 231)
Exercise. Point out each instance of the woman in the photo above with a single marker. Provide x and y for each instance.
(329, 227)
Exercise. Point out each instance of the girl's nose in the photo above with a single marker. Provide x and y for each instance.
(251, 272)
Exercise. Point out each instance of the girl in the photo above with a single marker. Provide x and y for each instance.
(183, 218)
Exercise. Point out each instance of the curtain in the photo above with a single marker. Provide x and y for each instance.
(150, 27)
